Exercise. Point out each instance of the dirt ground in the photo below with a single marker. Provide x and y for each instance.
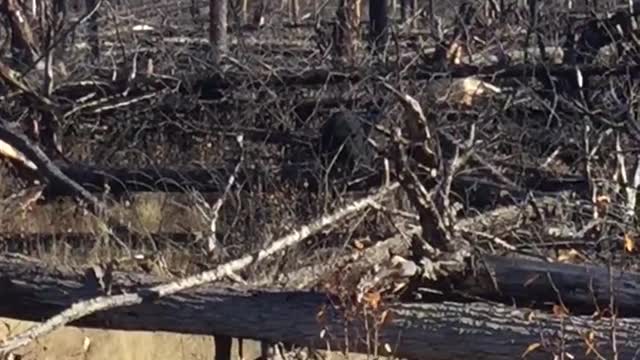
(69, 343)
(74, 343)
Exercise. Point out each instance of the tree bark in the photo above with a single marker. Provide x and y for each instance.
(244, 11)
(408, 10)
(378, 22)
(258, 14)
(218, 28)
(94, 31)
(32, 291)
(346, 29)
(294, 9)
(582, 289)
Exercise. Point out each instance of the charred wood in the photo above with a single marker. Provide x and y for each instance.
(412, 330)
(528, 282)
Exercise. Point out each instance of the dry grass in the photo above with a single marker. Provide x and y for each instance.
(70, 343)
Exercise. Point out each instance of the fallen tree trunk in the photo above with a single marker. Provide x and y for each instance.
(214, 86)
(317, 77)
(124, 180)
(32, 291)
(583, 289)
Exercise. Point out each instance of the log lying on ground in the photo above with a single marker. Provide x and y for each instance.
(22, 243)
(32, 291)
(217, 85)
(583, 289)
(123, 180)
(214, 86)
(317, 77)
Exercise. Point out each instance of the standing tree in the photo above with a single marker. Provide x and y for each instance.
(408, 11)
(294, 9)
(345, 32)
(378, 22)
(218, 28)
(244, 10)
(94, 30)
(258, 14)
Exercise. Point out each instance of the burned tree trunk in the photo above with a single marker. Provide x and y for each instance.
(407, 9)
(218, 28)
(244, 9)
(378, 22)
(94, 34)
(345, 33)
(257, 19)
(294, 9)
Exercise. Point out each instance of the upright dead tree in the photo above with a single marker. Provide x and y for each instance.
(257, 19)
(294, 9)
(379, 23)
(238, 10)
(408, 11)
(345, 32)
(244, 10)
(94, 32)
(218, 28)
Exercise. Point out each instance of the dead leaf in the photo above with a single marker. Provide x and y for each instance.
(465, 90)
(602, 202)
(629, 243)
(531, 348)
(362, 243)
(560, 311)
(571, 256)
(455, 53)
(590, 340)
(530, 316)
(383, 317)
(372, 299)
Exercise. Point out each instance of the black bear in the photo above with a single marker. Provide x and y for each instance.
(344, 145)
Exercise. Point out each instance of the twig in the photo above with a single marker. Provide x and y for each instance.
(630, 190)
(212, 241)
(101, 303)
